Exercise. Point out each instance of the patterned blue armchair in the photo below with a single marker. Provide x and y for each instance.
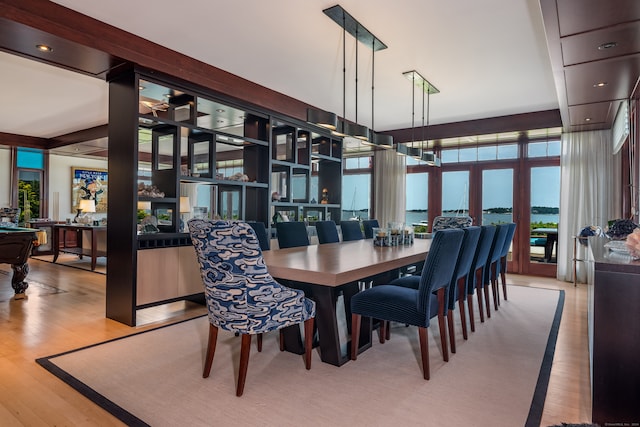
(444, 222)
(240, 293)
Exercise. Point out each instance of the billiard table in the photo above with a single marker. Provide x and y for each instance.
(15, 247)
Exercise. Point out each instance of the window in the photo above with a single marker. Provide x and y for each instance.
(544, 149)
(417, 197)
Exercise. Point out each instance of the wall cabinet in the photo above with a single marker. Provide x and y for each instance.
(175, 154)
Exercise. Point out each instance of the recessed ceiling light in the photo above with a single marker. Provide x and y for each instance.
(607, 45)
(44, 48)
(167, 95)
(600, 84)
(220, 110)
(140, 87)
(588, 119)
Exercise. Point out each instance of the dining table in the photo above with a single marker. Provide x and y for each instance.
(327, 271)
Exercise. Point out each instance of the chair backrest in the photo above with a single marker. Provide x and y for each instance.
(9, 217)
(465, 258)
(351, 231)
(508, 239)
(261, 232)
(292, 234)
(438, 266)
(369, 225)
(232, 270)
(496, 250)
(445, 222)
(327, 232)
(480, 258)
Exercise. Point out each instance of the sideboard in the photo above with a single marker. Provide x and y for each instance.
(614, 335)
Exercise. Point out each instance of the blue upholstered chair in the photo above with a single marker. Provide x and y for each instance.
(413, 306)
(458, 285)
(476, 272)
(444, 222)
(493, 264)
(327, 232)
(292, 234)
(503, 257)
(240, 293)
(369, 225)
(261, 233)
(351, 231)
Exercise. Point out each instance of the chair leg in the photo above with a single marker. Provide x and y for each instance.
(282, 340)
(472, 319)
(452, 337)
(462, 291)
(479, 291)
(503, 276)
(443, 329)
(388, 331)
(494, 287)
(382, 332)
(211, 350)
(259, 340)
(245, 349)
(355, 335)
(487, 300)
(424, 351)
(308, 342)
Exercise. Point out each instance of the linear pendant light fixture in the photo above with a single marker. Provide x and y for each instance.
(427, 88)
(350, 25)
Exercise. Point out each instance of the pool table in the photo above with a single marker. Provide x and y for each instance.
(15, 248)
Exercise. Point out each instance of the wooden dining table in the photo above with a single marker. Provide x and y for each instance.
(324, 272)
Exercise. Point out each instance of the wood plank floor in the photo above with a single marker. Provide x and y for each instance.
(69, 313)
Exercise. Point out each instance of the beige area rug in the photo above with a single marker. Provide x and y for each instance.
(496, 378)
(71, 260)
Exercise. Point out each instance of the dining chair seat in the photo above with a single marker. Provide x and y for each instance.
(413, 306)
(327, 232)
(476, 273)
(351, 231)
(240, 294)
(368, 225)
(292, 234)
(261, 233)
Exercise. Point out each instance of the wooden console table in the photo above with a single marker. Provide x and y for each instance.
(81, 249)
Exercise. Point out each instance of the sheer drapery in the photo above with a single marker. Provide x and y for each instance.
(390, 182)
(590, 192)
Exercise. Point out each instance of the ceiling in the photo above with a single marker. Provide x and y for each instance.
(488, 59)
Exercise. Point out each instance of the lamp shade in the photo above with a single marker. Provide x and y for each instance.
(185, 205)
(87, 205)
(381, 140)
(322, 118)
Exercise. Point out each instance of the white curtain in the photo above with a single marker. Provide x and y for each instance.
(590, 193)
(390, 183)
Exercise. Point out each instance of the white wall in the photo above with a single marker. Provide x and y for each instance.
(60, 182)
(5, 177)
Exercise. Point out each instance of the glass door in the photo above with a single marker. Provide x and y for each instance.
(544, 213)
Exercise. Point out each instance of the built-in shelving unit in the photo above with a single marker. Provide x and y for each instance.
(177, 153)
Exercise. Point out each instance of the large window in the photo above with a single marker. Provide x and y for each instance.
(455, 193)
(356, 188)
(30, 166)
(417, 198)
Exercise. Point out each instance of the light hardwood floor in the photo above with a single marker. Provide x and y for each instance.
(53, 321)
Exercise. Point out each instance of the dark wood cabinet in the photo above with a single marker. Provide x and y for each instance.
(614, 336)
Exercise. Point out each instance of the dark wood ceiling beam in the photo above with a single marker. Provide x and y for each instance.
(512, 123)
(13, 140)
(90, 134)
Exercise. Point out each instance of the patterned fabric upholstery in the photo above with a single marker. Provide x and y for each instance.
(240, 293)
(444, 222)
(351, 231)
(327, 232)
(9, 217)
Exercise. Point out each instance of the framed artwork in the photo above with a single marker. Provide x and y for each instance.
(89, 184)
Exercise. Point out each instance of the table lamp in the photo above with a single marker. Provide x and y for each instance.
(88, 207)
